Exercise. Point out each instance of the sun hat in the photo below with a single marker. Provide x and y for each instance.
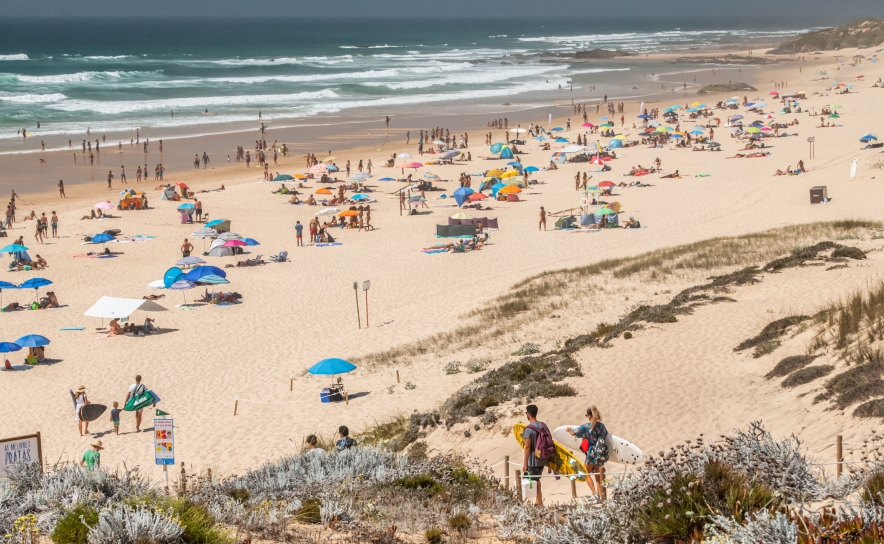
(81, 389)
(97, 444)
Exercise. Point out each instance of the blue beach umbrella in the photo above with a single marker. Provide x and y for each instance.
(7, 347)
(214, 280)
(251, 242)
(215, 222)
(13, 248)
(387, 179)
(186, 206)
(461, 195)
(32, 341)
(327, 367)
(540, 138)
(556, 128)
(531, 169)
(644, 116)
(34, 283)
(200, 272)
(561, 140)
(496, 147)
(101, 238)
(182, 285)
(6, 285)
(332, 168)
(868, 138)
(517, 164)
(360, 196)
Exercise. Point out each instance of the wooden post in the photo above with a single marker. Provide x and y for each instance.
(838, 457)
(506, 471)
(183, 478)
(209, 474)
(573, 489)
(291, 382)
(347, 398)
(235, 405)
(358, 317)
(518, 486)
(397, 375)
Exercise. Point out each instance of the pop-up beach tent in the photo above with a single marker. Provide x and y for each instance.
(113, 307)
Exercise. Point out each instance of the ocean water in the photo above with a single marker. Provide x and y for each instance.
(113, 76)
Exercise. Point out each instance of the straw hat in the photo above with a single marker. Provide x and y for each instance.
(81, 389)
(97, 445)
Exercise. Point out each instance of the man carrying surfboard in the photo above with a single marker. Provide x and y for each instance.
(532, 465)
(136, 390)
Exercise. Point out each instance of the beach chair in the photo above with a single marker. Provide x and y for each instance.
(281, 258)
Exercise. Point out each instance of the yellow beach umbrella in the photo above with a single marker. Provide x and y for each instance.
(619, 137)
(494, 173)
(510, 174)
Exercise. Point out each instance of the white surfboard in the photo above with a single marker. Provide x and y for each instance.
(853, 169)
(621, 450)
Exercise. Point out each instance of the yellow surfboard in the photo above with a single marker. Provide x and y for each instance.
(562, 462)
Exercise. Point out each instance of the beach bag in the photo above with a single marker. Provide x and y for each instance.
(544, 447)
(346, 443)
(600, 450)
(141, 399)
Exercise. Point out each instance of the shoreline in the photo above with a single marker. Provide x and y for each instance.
(343, 139)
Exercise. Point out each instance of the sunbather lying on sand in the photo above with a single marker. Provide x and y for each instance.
(674, 175)
(153, 297)
(758, 155)
(786, 172)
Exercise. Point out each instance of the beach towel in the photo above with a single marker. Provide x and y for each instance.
(704, 175)
(330, 245)
(72, 328)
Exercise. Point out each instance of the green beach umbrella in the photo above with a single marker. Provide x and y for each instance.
(605, 211)
(753, 129)
(835, 106)
(834, 116)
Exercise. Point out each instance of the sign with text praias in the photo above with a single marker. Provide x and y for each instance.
(20, 450)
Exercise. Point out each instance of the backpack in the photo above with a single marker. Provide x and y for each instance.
(544, 447)
(346, 443)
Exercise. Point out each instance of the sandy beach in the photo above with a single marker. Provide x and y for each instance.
(672, 381)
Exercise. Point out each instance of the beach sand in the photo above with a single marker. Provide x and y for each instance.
(668, 384)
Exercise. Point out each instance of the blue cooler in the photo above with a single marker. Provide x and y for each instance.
(325, 395)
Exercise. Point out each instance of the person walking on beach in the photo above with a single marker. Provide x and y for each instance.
(205, 160)
(186, 248)
(198, 207)
(115, 417)
(38, 234)
(92, 458)
(299, 233)
(532, 465)
(122, 174)
(54, 223)
(81, 400)
(542, 219)
(61, 188)
(110, 177)
(136, 390)
(597, 453)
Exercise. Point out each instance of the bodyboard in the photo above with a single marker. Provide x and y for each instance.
(91, 412)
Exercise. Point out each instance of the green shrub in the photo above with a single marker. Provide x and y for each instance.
(477, 365)
(676, 516)
(873, 488)
(627, 335)
(452, 368)
(465, 485)
(409, 386)
(199, 526)
(528, 348)
(310, 511)
(434, 536)
(70, 529)
(807, 375)
(423, 482)
(239, 494)
(790, 364)
(460, 522)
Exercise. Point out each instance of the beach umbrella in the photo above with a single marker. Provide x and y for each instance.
(605, 211)
(677, 136)
(476, 196)
(509, 189)
(105, 206)
(233, 243)
(332, 168)
(517, 164)
(531, 169)
(414, 164)
(403, 156)
(496, 173)
(605, 118)
(229, 236)
(251, 242)
(318, 168)
(201, 271)
(204, 233)
(753, 130)
(189, 261)
(834, 116)
(283, 177)
(590, 125)
(835, 106)
(430, 175)
(606, 184)
(644, 116)
(13, 248)
(348, 213)
(766, 129)
(561, 140)
(496, 148)
(7, 347)
(541, 138)
(387, 179)
(556, 128)
(461, 195)
(438, 142)
(102, 238)
(212, 279)
(774, 93)
(360, 196)
(868, 138)
(327, 367)
(186, 207)
(322, 191)
(182, 285)
(32, 341)
(451, 154)
(327, 211)
(461, 216)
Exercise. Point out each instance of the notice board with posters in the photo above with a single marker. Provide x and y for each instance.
(164, 441)
(20, 450)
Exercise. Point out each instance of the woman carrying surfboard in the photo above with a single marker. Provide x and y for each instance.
(80, 400)
(597, 453)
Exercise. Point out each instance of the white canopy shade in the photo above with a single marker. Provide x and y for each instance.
(573, 149)
(112, 307)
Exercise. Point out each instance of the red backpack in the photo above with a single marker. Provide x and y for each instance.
(544, 447)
